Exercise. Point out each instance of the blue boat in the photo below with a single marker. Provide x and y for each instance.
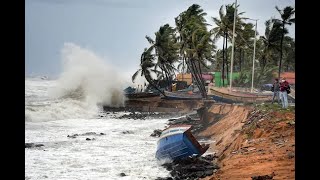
(177, 142)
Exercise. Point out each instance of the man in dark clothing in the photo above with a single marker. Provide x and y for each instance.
(284, 85)
(275, 89)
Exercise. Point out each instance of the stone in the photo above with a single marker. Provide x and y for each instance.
(208, 172)
(122, 174)
(290, 155)
(32, 145)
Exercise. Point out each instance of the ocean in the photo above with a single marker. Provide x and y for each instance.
(125, 146)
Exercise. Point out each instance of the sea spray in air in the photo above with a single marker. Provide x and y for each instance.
(86, 76)
(86, 82)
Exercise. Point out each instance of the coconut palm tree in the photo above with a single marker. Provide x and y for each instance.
(147, 68)
(271, 40)
(225, 29)
(244, 40)
(289, 52)
(195, 43)
(286, 19)
(166, 51)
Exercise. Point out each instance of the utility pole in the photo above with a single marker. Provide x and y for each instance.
(254, 53)
(232, 52)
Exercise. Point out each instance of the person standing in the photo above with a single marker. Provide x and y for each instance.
(275, 89)
(284, 85)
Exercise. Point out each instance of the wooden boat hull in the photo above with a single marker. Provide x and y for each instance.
(180, 95)
(236, 98)
(178, 143)
(141, 95)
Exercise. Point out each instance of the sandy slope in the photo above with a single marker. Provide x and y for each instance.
(252, 142)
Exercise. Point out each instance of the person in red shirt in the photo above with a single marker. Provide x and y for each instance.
(284, 85)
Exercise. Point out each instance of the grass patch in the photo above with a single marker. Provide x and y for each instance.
(274, 107)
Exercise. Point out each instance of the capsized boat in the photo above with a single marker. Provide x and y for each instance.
(177, 142)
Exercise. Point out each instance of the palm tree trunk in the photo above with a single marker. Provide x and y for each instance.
(201, 80)
(281, 50)
(227, 56)
(150, 81)
(243, 60)
(240, 60)
(195, 74)
(223, 51)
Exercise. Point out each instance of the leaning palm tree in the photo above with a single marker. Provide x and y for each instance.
(147, 68)
(286, 19)
(166, 51)
(195, 43)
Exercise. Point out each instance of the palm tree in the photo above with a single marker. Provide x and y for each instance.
(166, 51)
(244, 40)
(286, 19)
(271, 40)
(289, 52)
(147, 68)
(225, 29)
(195, 43)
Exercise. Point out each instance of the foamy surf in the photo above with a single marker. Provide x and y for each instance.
(86, 83)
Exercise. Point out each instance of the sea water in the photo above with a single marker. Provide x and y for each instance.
(68, 105)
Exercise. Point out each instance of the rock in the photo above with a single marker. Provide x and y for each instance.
(156, 132)
(167, 178)
(89, 133)
(214, 166)
(73, 136)
(200, 174)
(291, 123)
(264, 177)
(32, 145)
(127, 132)
(88, 139)
(291, 155)
(208, 172)
(102, 134)
(122, 174)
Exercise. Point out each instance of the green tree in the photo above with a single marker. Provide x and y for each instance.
(195, 44)
(147, 68)
(286, 19)
(166, 51)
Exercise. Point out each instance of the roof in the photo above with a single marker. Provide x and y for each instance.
(207, 77)
(290, 77)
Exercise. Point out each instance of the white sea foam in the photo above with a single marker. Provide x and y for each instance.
(86, 82)
(66, 158)
(103, 158)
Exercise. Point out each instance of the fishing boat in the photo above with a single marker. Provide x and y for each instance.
(236, 97)
(141, 95)
(180, 95)
(177, 142)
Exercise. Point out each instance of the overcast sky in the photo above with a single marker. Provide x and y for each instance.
(114, 29)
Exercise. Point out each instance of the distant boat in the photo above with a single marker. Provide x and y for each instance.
(177, 142)
(180, 95)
